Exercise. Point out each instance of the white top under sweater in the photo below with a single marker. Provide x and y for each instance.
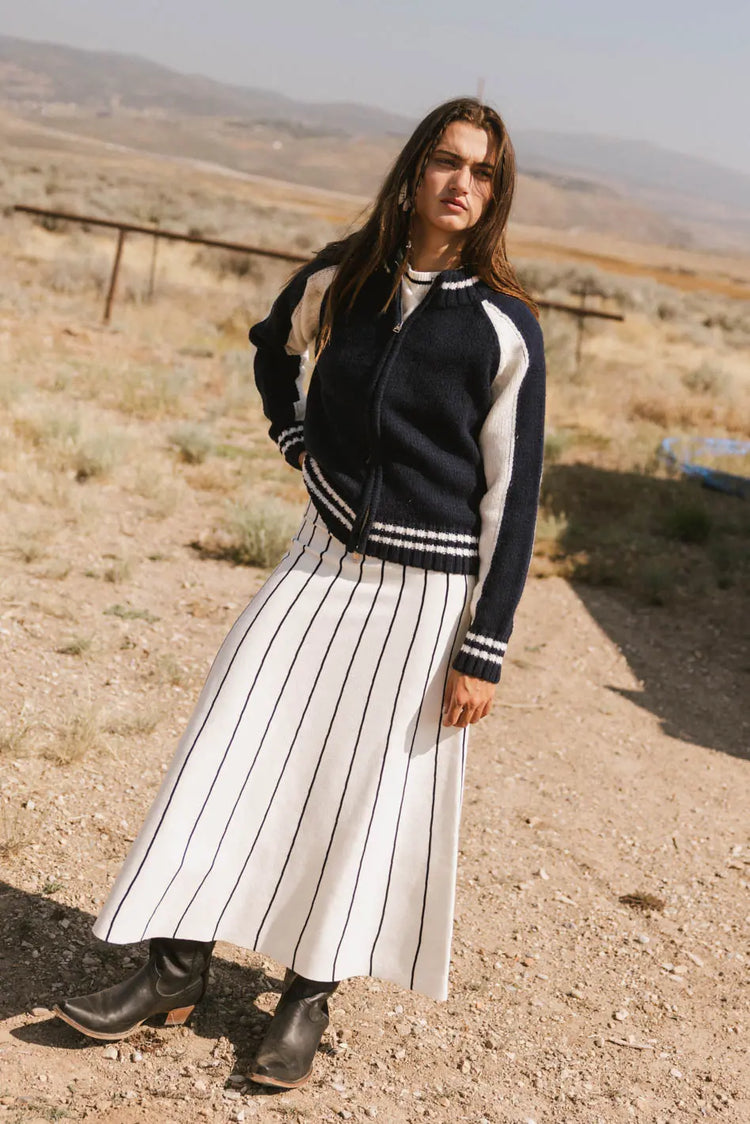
(415, 285)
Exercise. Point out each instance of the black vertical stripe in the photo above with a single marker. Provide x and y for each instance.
(349, 666)
(380, 777)
(406, 772)
(188, 755)
(260, 744)
(231, 742)
(296, 732)
(351, 766)
(434, 785)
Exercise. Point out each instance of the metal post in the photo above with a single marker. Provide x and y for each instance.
(113, 278)
(152, 273)
(581, 326)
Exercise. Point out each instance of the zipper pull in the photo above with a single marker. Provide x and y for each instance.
(397, 327)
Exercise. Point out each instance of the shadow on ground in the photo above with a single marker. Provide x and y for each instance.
(61, 937)
(663, 566)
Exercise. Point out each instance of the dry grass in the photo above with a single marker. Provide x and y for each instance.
(130, 613)
(166, 668)
(75, 646)
(15, 829)
(80, 733)
(125, 443)
(193, 442)
(64, 738)
(140, 723)
(251, 536)
(664, 541)
(62, 441)
(118, 570)
(17, 738)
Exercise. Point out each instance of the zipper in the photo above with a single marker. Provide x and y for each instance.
(399, 312)
(360, 530)
(362, 534)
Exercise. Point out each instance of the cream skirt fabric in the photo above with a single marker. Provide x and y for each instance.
(311, 810)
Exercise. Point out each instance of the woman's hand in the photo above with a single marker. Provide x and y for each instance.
(467, 699)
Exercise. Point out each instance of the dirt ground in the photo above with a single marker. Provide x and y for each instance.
(600, 957)
(567, 1004)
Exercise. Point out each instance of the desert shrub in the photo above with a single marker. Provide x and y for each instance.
(76, 646)
(166, 668)
(689, 522)
(78, 274)
(193, 443)
(707, 379)
(118, 570)
(97, 455)
(66, 443)
(555, 444)
(80, 732)
(559, 342)
(251, 536)
(16, 739)
(655, 582)
(229, 263)
(260, 534)
(138, 722)
(129, 612)
(14, 829)
(41, 428)
(150, 393)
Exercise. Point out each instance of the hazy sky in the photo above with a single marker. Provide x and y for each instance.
(670, 71)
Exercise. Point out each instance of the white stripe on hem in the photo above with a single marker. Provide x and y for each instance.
(321, 480)
(428, 548)
(417, 532)
(313, 487)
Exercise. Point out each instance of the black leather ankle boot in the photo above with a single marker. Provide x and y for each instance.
(287, 1052)
(170, 983)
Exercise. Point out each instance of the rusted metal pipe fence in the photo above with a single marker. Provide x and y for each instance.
(156, 231)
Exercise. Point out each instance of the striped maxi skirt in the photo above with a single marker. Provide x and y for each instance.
(311, 810)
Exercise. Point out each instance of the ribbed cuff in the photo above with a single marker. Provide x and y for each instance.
(481, 656)
(291, 443)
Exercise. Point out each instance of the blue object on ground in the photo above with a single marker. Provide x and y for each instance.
(681, 453)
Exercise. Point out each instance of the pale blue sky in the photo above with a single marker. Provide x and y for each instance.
(674, 72)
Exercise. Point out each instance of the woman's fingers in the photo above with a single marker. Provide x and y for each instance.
(467, 699)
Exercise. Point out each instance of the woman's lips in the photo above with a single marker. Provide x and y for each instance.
(454, 204)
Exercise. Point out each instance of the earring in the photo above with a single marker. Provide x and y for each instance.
(404, 201)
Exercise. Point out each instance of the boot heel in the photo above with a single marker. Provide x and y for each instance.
(178, 1016)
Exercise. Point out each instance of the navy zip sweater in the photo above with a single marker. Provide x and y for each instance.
(423, 435)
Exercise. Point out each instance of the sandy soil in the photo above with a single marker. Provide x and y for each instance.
(566, 1004)
(600, 960)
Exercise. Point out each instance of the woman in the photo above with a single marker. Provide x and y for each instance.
(312, 808)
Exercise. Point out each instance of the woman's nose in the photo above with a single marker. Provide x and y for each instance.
(461, 179)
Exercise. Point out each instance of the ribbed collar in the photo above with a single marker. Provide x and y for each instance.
(454, 287)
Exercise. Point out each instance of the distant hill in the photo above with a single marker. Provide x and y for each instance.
(685, 187)
(594, 182)
(46, 73)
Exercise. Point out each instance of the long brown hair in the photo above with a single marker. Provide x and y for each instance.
(383, 238)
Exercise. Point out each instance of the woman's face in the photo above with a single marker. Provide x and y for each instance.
(457, 181)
